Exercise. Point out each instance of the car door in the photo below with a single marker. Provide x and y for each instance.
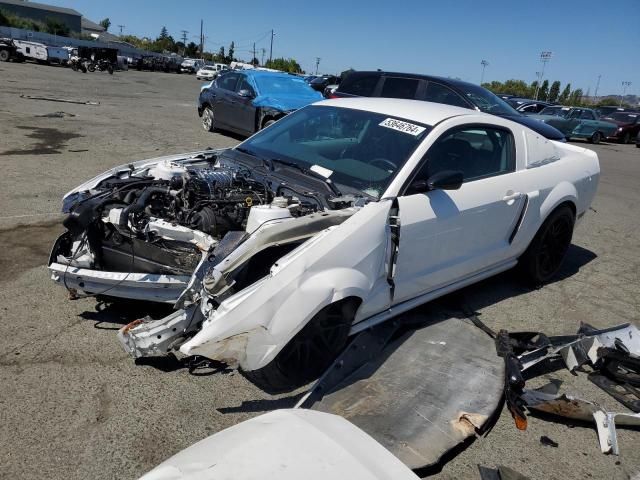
(447, 235)
(225, 95)
(244, 112)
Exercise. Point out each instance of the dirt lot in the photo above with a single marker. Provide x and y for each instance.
(74, 405)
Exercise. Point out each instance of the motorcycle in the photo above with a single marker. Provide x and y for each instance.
(101, 65)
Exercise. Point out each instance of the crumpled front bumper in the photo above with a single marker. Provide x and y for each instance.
(135, 286)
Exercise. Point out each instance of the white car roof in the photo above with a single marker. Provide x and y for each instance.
(427, 113)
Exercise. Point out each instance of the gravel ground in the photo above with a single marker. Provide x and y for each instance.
(74, 405)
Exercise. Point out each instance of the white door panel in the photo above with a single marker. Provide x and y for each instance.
(446, 235)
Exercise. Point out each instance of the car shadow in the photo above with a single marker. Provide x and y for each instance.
(507, 285)
(121, 312)
(264, 405)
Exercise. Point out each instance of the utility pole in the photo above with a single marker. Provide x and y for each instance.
(121, 28)
(624, 90)
(597, 86)
(484, 64)
(317, 63)
(201, 40)
(544, 58)
(254, 54)
(184, 41)
(271, 48)
(264, 50)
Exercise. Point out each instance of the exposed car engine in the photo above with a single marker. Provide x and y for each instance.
(162, 220)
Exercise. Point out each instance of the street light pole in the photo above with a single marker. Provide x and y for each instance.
(484, 64)
(271, 48)
(545, 56)
(317, 63)
(624, 90)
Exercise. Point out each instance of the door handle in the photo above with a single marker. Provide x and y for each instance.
(511, 197)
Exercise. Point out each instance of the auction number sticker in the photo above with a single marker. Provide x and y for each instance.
(401, 126)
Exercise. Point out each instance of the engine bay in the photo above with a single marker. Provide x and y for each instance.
(164, 218)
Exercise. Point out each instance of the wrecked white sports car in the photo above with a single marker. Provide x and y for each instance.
(339, 216)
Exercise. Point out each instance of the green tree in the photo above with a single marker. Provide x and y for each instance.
(164, 33)
(231, 52)
(106, 23)
(543, 93)
(554, 91)
(191, 50)
(576, 97)
(255, 62)
(564, 96)
(284, 64)
(56, 27)
(221, 57)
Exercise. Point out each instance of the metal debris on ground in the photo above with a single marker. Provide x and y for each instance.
(500, 473)
(62, 100)
(574, 408)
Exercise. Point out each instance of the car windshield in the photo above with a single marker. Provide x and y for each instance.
(556, 111)
(486, 101)
(319, 80)
(280, 84)
(355, 148)
(624, 117)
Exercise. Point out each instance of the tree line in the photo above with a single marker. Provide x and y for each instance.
(548, 93)
(49, 25)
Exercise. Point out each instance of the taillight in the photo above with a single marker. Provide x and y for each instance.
(333, 95)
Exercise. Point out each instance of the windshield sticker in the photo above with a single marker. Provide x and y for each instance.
(325, 172)
(401, 126)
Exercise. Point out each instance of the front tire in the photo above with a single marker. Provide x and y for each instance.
(595, 138)
(4, 56)
(269, 122)
(310, 352)
(208, 119)
(544, 256)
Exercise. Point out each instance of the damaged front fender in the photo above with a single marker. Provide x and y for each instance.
(344, 261)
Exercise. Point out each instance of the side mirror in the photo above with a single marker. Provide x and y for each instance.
(444, 180)
(246, 93)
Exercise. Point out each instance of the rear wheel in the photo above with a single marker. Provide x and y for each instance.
(208, 120)
(110, 69)
(595, 138)
(91, 67)
(544, 256)
(4, 56)
(310, 352)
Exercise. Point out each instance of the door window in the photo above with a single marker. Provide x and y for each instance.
(228, 82)
(478, 152)
(440, 94)
(244, 84)
(362, 86)
(587, 115)
(400, 87)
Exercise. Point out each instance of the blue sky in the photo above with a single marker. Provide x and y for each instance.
(588, 37)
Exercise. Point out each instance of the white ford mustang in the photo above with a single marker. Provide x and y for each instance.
(337, 217)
